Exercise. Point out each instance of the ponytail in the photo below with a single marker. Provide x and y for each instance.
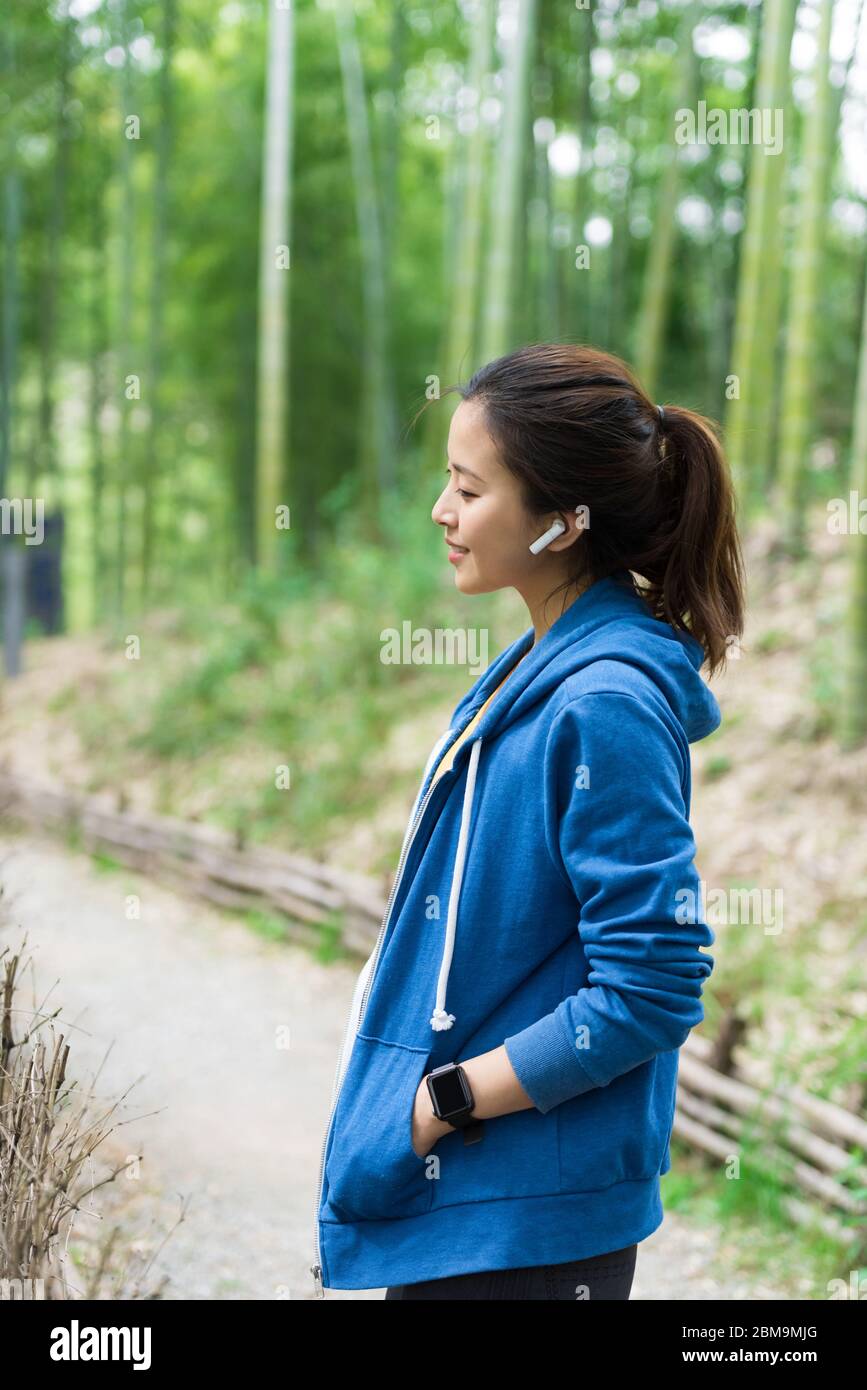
(693, 563)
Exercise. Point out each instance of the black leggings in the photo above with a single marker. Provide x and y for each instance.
(601, 1276)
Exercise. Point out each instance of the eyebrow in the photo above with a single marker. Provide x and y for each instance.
(459, 468)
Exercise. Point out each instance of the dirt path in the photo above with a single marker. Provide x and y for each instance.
(191, 1001)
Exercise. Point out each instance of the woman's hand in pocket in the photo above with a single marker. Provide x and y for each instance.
(426, 1128)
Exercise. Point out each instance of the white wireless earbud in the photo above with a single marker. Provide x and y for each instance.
(548, 536)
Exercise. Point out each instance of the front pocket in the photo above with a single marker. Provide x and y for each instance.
(373, 1172)
(516, 1157)
(619, 1132)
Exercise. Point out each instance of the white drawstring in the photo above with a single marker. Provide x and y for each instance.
(361, 981)
(440, 1019)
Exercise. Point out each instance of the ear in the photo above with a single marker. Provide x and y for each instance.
(577, 522)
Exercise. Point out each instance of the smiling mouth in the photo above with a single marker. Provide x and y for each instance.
(461, 549)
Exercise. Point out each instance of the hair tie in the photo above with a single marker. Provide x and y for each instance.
(661, 413)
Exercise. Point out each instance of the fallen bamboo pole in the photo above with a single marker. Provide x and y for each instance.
(206, 860)
(824, 1115)
(701, 1137)
(819, 1182)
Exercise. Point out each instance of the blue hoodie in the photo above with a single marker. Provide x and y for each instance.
(546, 899)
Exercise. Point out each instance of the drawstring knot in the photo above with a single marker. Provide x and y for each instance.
(440, 1020)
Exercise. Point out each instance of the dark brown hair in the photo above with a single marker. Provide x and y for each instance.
(575, 428)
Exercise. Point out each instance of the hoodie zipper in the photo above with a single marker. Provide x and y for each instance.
(316, 1268)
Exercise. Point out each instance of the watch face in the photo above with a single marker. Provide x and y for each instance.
(451, 1096)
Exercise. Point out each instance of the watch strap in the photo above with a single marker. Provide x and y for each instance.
(474, 1131)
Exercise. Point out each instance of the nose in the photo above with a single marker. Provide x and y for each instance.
(440, 512)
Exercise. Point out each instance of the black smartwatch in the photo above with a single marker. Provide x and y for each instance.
(452, 1100)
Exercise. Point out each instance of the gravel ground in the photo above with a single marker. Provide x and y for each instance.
(191, 1006)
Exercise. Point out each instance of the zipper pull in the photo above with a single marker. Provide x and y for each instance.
(316, 1271)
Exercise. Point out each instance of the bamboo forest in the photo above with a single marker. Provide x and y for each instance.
(253, 252)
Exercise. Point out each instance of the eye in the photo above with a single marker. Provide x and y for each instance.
(462, 492)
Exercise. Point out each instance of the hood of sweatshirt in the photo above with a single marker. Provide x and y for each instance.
(609, 621)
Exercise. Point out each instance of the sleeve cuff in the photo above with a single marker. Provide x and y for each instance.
(546, 1063)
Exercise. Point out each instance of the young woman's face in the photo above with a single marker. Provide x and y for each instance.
(484, 518)
(481, 511)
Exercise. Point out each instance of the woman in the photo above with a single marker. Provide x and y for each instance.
(506, 1090)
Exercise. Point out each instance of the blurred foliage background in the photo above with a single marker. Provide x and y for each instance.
(235, 229)
(244, 244)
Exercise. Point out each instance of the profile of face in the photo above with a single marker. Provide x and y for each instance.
(481, 511)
